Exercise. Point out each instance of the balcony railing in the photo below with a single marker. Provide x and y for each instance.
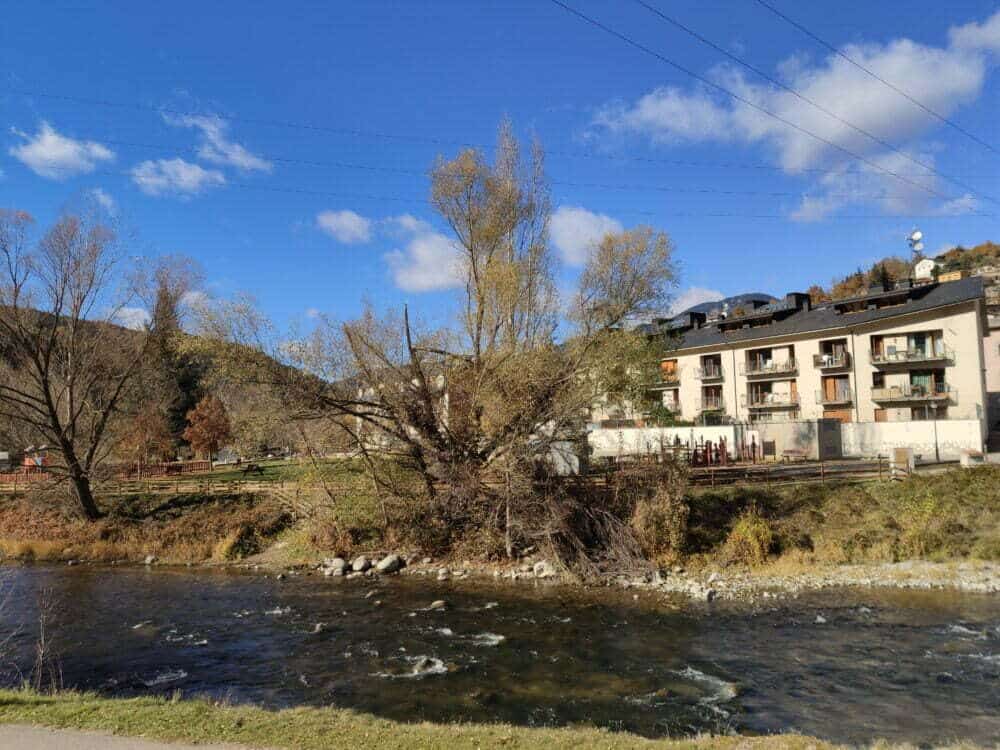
(712, 404)
(761, 368)
(940, 392)
(838, 397)
(832, 361)
(667, 380)
(770, 400)
(938, 353)
(708, 372)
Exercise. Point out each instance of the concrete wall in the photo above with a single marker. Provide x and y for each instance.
(631, 441)
(817, 439)
(951, 437)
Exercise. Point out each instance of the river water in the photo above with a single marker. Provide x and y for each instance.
(848, 666)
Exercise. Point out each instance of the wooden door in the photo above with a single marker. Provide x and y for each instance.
(880, 415)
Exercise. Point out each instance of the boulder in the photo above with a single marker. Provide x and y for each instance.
(390, 564)
(544, 569)
(335, 563)
(361, 564)
(150, 559)
(438, 604)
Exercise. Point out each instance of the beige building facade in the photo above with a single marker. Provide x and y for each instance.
(913, 352)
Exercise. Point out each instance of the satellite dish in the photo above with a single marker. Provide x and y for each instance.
(916, 236)
(918, 246)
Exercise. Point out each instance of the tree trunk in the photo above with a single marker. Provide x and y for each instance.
(81, 486)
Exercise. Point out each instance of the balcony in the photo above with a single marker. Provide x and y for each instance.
(914, 393)
(711, 404)
(708, 372)
(939, 353)
(770, 401)
(831, 361)
(765, 369)
(838, 398)
(667, 380)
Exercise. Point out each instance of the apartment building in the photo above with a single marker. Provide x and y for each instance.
(906, 353)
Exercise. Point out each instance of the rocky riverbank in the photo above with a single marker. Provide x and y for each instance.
(768, 582)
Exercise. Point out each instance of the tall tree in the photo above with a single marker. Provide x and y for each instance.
(68, 364)
(474, 408)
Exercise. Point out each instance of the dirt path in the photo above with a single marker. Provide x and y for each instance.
(42, 738)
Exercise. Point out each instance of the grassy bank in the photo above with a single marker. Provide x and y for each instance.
(316, 728)
(949, 516)
(176, 528)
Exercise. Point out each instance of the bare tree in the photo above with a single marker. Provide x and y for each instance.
(474, 409)
(67, 360)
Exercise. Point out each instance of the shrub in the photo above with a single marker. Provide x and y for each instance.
(749, 541)
(660, 522)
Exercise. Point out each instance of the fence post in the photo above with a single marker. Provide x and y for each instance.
(880, 468)
(822, 472)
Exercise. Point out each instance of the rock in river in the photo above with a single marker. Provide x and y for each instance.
(361, 564)
(389, 564)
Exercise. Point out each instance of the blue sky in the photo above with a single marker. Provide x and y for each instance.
(188, 121)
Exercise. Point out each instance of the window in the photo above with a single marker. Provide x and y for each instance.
(878, 380)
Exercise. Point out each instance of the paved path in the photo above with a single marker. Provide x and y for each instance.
(40, 738)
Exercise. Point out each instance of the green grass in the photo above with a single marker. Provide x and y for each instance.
(199, 721)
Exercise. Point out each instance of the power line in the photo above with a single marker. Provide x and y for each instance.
(743, 100)
(426, 202)
(876, 76)
(382, 135)
(857, 195)
(808, 100)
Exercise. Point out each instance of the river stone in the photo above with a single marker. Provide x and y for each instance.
(390, 564)
(544, 569)
(361, 564)
(438, 604)
(335, 563)
(150, 559)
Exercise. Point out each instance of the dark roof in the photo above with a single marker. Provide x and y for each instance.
(825, 316)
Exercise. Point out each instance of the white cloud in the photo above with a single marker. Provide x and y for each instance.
(874, 186)
(408, 223)
(104, 200)
(216, 146)
(345, 226)
(668, 115)
(576, 231)
(692, 296)
(58, 157)
(960, 206)
(430, 261)
(166, 176)
(135, 318)
(977, 36)
(943, 78)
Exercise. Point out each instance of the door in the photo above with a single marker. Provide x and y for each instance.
(880, 415)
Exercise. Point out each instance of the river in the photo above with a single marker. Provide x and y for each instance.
(848, 666)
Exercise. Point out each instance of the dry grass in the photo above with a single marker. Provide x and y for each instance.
(949, 516)
(181, 528)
